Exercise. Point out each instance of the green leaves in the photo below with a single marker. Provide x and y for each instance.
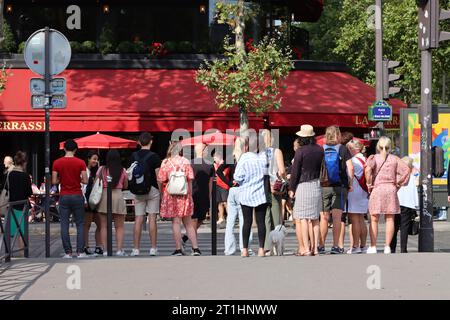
(252, 82)
(345, 33)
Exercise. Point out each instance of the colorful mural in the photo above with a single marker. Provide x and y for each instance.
(440, 139)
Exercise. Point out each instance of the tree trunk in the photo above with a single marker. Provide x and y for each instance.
(240, 29)
(243, 122)
(240, 50)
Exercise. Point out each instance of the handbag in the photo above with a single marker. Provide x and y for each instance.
(97, 190)
(280, 186)
(267, 187)
(323, 177)
(177, 185)
(414, 226)
(4, 197)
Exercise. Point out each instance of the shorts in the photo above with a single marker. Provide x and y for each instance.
(147, 203)
(333, 198)
(221, 194)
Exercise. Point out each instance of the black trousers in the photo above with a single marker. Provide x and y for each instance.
(260, 213)
(402, 222)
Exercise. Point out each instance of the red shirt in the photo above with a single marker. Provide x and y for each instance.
(69, 171)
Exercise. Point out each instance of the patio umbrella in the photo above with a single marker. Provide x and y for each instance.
(102, 141)
(216, 138)
(321, 141)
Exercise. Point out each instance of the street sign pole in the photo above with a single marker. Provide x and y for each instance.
(47, 79)
(426, 233)
(379, 53)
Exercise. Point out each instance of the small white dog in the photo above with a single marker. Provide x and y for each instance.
(276, 238)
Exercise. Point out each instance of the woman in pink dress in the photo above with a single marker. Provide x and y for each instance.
(178, 207)
(385, 174)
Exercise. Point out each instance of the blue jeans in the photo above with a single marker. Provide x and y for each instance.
(72, 204)
(234, 210)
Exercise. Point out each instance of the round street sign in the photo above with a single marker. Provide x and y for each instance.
(60, 52)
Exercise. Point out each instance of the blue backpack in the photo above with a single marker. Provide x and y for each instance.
(333, 164)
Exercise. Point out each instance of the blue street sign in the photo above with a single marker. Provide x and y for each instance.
(380, 111)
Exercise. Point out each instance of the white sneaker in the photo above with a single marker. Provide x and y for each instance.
(364, 249)
(134, 252)
(121, 253)
(82, 255)
(387, 250)
(67, 256)
(372, 250)
(153, 252)
(354, 250)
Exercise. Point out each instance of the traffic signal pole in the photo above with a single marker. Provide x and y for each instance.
(426, 233)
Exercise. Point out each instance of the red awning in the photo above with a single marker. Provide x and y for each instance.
(117, 100)
(122, 100)
(323, 98)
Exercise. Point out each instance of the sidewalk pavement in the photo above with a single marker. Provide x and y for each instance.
(401, 276)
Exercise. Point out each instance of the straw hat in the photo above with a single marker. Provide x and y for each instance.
(306, 130)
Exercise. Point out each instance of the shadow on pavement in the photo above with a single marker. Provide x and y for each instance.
(16, 277)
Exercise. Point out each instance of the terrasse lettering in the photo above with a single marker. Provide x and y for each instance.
(21, 126)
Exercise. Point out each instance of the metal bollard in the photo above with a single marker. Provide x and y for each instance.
(214, 218)
(109, 245)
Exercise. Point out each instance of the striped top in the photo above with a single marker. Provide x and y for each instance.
(249, 174)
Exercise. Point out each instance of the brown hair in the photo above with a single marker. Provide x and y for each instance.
(346, 137)
(20, 158)
(145, 138)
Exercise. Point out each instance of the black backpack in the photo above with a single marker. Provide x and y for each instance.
(140, 179)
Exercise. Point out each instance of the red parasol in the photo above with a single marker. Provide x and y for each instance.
(321, 141)
(103, 141)
(216, 138)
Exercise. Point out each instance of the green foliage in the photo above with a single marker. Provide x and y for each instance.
(107, 40)
(345, 33)
(171, 46)
(202, 47)
(88, 47)
(76, 47)
(9, 43)
(139, 47)
(125, 47)
(4, 74)
(252, 82)
(226, 12)
(185, 47)
(21, 47)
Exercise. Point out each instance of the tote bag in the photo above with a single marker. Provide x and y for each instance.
(97, 190)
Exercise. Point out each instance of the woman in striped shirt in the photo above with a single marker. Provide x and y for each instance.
(249, 174)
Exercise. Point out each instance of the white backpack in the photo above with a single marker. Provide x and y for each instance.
(177, 185)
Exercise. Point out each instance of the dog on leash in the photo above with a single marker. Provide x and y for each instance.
(276, 238)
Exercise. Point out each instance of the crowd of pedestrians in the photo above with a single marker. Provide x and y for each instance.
(321, 185)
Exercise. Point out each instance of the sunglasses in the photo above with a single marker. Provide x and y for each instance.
(384, 148)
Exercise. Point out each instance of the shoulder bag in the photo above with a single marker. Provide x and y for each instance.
(97, 190)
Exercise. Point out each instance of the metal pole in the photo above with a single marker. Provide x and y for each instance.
(47, 79)
(26, 235)
(426, 233)
(379, 54)
(109, 215)
(7, 237)
(214, 217)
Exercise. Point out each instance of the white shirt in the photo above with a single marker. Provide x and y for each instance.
(408, 195)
